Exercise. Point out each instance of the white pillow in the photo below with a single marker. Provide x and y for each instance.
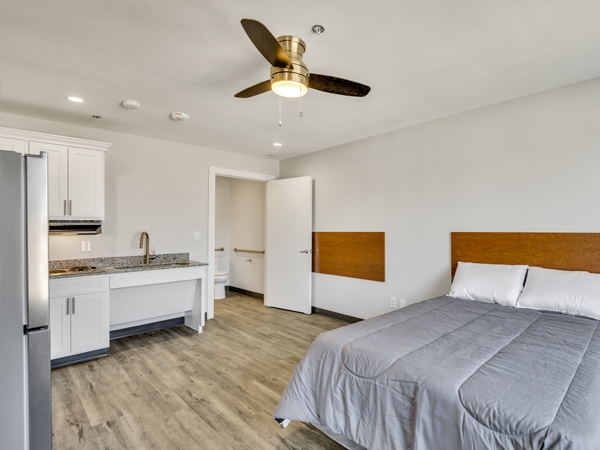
(491, 283)
(567, 292)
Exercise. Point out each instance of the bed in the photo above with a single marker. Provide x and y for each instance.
(468, 373)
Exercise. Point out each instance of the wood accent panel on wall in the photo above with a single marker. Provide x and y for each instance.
(350, 254)
(562, 251)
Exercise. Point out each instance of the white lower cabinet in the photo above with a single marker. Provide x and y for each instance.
(79, 315)
(60, 327)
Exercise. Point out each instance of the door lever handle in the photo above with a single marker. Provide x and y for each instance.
(305, 251)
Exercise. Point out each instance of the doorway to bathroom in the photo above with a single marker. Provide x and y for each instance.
(239, 262)
(287, 241)
(215, 174)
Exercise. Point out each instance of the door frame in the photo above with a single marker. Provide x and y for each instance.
(213, 173)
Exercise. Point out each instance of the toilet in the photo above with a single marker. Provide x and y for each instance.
(221, 276)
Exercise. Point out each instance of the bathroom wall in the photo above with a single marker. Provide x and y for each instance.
(222, 223)
(247, 231)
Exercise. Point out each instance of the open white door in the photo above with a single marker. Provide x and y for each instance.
(289, 244)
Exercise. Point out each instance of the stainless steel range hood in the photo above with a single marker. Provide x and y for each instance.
(73, 227)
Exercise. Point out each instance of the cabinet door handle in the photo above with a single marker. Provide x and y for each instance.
(65, 207)
(73, 306)
(68, 299)
(70, 207)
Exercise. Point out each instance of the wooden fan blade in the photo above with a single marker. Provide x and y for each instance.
(259, 88)
(338, 86)
(266, 43)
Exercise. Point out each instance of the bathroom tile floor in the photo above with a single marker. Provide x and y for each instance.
(176, 389)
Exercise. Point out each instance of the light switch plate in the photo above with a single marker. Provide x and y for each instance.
(197, 235)
(86, 246)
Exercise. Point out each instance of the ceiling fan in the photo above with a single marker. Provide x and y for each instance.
(289, 75)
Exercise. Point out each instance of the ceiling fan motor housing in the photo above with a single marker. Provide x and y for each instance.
(295, 48)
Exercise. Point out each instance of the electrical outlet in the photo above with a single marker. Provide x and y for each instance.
(401, 303)
(197, 235)
(86, 246)
(393, 302)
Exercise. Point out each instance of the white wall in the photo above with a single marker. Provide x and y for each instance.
(156, 186)
(531, 164)
(222, 223)
(247, 231)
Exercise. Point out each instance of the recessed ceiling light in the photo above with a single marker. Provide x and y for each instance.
(75, 99)
(276, 144)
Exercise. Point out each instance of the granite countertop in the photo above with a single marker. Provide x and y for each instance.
(69, 268)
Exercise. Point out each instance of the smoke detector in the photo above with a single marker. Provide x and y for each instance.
(130, 104)
(179, 116)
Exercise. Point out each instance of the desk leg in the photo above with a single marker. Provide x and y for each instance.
(195, 317)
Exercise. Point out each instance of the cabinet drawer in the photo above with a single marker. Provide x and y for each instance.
(78, 285)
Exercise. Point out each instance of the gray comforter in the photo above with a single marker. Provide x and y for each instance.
(449, 374)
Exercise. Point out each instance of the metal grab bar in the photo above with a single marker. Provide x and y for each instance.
(222, 249)
(248, 251)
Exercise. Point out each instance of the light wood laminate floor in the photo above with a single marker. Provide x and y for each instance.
(175, 389)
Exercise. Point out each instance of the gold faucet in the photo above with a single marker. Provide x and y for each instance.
(148, 255)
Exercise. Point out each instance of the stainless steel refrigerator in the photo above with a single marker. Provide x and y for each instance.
(25, 394)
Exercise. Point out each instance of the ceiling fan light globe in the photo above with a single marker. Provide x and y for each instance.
(289, 88)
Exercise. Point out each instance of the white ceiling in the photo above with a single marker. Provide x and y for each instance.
(423, 60)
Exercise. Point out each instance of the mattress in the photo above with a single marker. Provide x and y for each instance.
(454, 374)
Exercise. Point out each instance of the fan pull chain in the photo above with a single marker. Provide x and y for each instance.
(280, 111)
(300, 89)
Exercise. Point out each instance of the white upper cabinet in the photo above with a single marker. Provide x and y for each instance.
(86, 183)
(13, 145)
(58, 156)
(75, 171)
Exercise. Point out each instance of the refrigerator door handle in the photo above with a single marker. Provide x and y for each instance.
(37, 240)
(68, 298)
(73, 305)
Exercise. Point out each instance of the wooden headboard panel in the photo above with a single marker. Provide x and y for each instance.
(349, 254)
(563, 251)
